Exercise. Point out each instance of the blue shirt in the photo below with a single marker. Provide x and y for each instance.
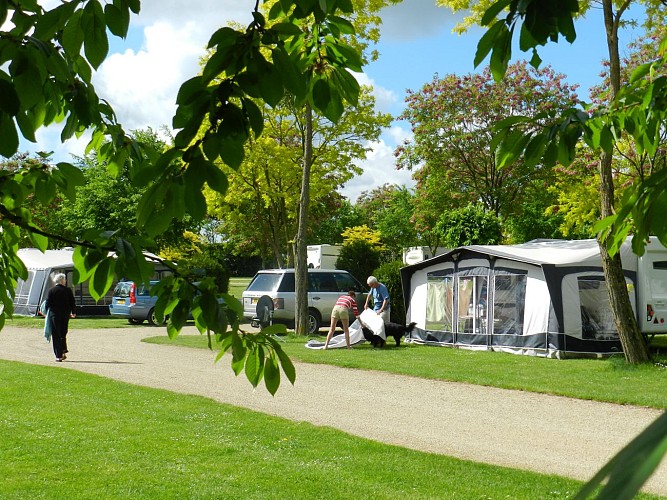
(379, 294)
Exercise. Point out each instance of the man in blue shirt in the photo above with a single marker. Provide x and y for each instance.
(380, 296)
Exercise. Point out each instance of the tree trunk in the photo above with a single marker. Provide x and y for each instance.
(301, 250)
(634, 347)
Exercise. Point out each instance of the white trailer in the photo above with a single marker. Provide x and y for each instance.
(412, 255)
(323, 256)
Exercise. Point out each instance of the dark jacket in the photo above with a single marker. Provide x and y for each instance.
(60, 301)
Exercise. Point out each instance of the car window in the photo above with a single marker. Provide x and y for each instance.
(323, 282)
(265, 282)
(287, 284)
(122, 290)
(345, 282)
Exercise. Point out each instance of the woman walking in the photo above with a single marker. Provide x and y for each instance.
(60, 303)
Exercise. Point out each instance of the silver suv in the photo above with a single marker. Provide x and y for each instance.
(324, 288)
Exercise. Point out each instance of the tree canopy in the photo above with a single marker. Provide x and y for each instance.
(299, 48)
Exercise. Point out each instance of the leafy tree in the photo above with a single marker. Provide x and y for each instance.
(47, 57)
(331, 217)
(600, 131)
(359, 257)
(263, 198)
(389, 209)
(536, 220)
(109, 201)
(470, 225)
(453, 118)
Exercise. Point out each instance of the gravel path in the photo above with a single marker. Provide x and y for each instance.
(548, 434)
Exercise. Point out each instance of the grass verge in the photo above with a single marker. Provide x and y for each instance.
(610, 380)
(72, 435)
(80, 322)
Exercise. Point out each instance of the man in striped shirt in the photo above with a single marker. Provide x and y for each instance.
(340, 312)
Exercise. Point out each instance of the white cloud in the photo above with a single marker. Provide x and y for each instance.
(142, 85)
(416, 19)
(379, 169)
(385, 99)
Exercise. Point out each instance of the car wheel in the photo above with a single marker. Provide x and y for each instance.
(134, 321)
(152, 319)
(314, 322)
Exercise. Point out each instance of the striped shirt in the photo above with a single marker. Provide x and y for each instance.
(348, 302)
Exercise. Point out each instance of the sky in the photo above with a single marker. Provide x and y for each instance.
(142, 74)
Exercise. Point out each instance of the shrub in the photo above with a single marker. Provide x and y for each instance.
(360, 258)
(389, 274)
(208, 262)
(471, 225)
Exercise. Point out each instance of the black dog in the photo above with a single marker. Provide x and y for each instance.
(391, 330)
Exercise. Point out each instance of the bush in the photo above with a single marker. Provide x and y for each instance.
(360, 258)
(389, 274)
(209, 262)
(471, 225)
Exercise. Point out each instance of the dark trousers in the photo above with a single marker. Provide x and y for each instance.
(59, 326)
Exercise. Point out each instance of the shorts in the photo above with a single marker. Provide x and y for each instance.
(340, 312)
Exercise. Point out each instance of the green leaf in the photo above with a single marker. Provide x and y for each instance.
(631, 467)
(492, 12)
(271, 375)
(535, 150)
(102, 279)
(53, 20)
(216, 179)
(191, 90)
(487, 42)
(45, 189)
(501, 54)
(253, 115)
(151, 200)
(289, 72)
(195, 202)
(345, 26)
(254, 365)
(287, 365)
(9, 139)
(96, 44)
(117, 19)
(352, 57)
(271, 86)
(511, 148)
(238, 354)
(9, 99)
(640, 72)
(72, 37)
(232, 152)
(40, 242)
(287, 28)
(347, 85)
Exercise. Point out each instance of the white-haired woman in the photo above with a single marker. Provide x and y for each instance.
(60, 302)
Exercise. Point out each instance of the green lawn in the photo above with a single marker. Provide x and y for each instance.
(71, 435)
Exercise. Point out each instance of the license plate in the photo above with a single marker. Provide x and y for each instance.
(120, 302)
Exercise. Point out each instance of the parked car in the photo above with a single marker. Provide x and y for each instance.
(324, 288)
(134, 302)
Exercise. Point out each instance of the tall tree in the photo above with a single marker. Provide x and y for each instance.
(389, 209)
(453, 119)
(263, 197)
(560, 141)
(47, 57)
